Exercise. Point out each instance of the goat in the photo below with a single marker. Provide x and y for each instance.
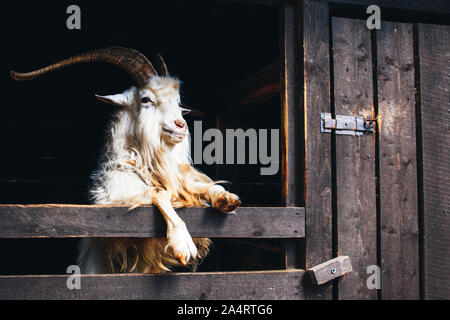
(146, 162)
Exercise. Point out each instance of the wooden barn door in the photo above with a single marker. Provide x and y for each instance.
(434, 70)
(364, 193)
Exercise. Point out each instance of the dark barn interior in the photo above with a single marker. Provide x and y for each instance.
(52, 129)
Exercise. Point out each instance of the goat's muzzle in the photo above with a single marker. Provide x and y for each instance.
(181, 124)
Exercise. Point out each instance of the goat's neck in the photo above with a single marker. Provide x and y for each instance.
(164, 164)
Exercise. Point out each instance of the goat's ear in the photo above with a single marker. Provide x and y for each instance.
(121, 99)
(184, 111)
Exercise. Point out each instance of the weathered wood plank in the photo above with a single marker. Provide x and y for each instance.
(66, 221)
(434, 55)
(171, 286)
(318, 146)
(292, 149)
(398, 164)
(330, 270)
(355, 156)
(436, 6)
(291, 119)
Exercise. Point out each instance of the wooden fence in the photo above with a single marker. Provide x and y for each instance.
(66, 221)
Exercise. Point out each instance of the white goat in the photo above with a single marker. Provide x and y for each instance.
(146, 162)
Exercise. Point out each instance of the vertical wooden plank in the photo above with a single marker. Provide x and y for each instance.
(318, 145)
(434, 56)
(291, 121)
(292, 151)
(355, 156)
(398, 165)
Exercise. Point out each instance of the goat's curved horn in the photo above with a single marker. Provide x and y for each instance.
(160, 65)
(130, 60)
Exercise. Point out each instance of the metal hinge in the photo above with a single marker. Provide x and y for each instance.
(348, 125)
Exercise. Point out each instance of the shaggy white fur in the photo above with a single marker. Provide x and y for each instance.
(147, 162)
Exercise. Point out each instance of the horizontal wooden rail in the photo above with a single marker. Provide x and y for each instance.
(436, 6)
(80, 221)
(282, 284)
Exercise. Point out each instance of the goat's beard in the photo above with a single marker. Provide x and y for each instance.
(175, 138)
(167, 165)
(172, 137)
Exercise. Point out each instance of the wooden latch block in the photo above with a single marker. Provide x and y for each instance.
(330, 270)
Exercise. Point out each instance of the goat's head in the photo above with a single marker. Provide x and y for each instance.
(155, 108)
(153, 105)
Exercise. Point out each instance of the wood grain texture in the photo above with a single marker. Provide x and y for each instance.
(436, 6)
(318, 146)
(398, 164)
(434, 55)
(262, 285)
(292, 149)
(67, 221)
(330, 270)
(355, 156)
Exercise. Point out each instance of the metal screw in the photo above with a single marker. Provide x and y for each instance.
(369, 124)
(333, 270)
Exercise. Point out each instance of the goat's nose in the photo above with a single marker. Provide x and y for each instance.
(181, 124)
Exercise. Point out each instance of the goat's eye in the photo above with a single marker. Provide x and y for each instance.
(145, 100)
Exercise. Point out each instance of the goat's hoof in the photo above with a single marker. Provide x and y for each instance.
(180, 258)
(227, 202)
(180, 241)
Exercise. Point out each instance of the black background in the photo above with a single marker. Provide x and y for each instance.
(52, 128)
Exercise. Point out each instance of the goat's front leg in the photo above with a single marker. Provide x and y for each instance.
(221, 199)
(178, 237)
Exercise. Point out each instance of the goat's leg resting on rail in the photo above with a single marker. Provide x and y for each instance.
(178, 238)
